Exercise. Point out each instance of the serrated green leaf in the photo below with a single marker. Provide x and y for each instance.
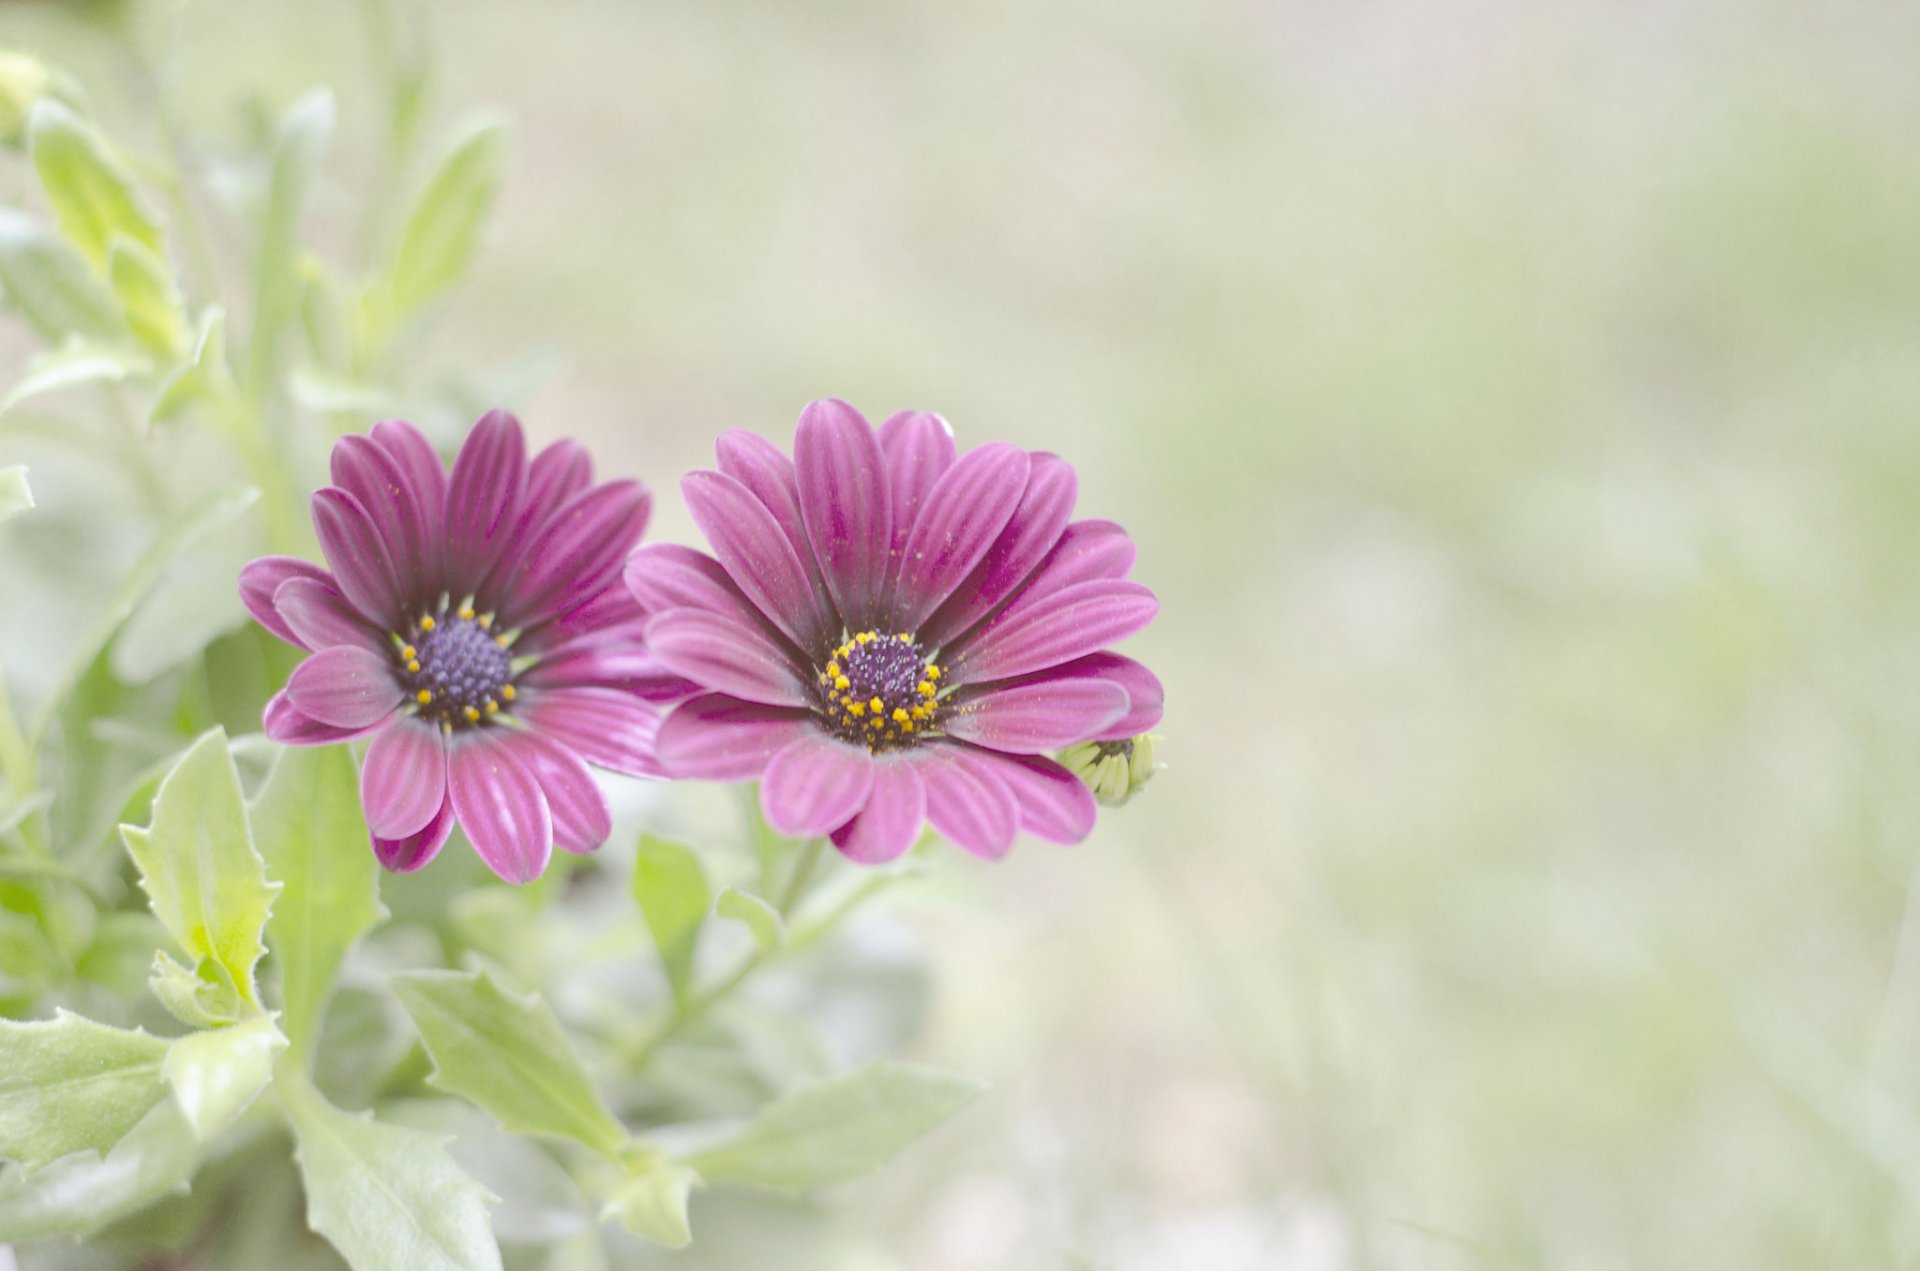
(215, 1074)
(672, 890)
(198, 865)
(762, 919)
(445, 225)
(297, 150)
(508, 1054)
(81, 1194)
(837, 1129)
(92, 193)
(203, 377)
(49, 284)
(309, 827)
(148, 295)
(389, 1199)
(69, 1084)
(653, 1204)
(15, 496)
(72, 365)
(203, 999)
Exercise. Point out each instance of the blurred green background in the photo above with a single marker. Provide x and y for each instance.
(1518, 411)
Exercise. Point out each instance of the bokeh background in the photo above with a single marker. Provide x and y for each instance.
(1518, 411)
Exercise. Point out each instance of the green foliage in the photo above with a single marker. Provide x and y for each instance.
(71, 1085)
(149, 296)
(652, 1203)
(92, 193)
(49, 283)
(443, 228)
(215, 1074)
(671, 886)
(762, 919)
(297, 150)
(15, 496)
(81, 1194)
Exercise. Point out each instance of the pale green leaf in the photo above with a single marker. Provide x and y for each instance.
(672, 890)
(444, 227)
(81, 1194)
(198, 865)
(15, 496)
(73, 365)
(762, 919)
(215, 1074)
(837, 1129)
(49, 284)
(203, 999)
(69, 1085)
(390, 1199)
(328, 394)
(148, 295)
(508, 1054)
(297, 151)
(203, 377)
(653, 1204)
(92, 193)
(309, 827)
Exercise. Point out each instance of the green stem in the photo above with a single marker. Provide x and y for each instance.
(803, 867)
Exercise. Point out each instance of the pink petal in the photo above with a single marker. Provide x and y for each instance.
(627, 667)
(426, 475)
(663, 577)
(727, 657)
(261, 578)
(720, 738)
(919, 447)
(574, 554)
(1054, 804)
(403, 779)
(345, 686)
(498, 801)
(1044, 715)
(757, 555)
(483, 498)
(404, 855)
(603, 726)
(890, 822)
(814, 785)
(1061, 626)
(558, 473)
(375, 477)
(965, 514)
(610, 613)
(581, 820)
(758, 464)
(846, 503)
(320, 617)
(361, 563)
(1034, 530)
(966, 802)
(283, 722)
(1146, 699)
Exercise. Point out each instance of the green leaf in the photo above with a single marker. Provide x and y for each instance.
(15, 496)
(313, 835)
(216, 1074)
(92, 193)
(199, 867)
(508, 1054)
(205, 998)
(73, 364)
(653, 1204)
(672, 890)
(390, 1199)
(769, 932)
(69, 1085)
(81, 1194)
(444, 227)
(839, 1128)
(203, 377)
(148, 295)
(297, 151)
(49, 284)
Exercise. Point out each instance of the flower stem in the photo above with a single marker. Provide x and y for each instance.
(803, 867)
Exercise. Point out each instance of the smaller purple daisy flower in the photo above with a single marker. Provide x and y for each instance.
(475, 625)
(894, 634)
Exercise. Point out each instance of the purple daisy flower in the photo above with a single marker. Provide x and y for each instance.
(475, 625)
(894, 634)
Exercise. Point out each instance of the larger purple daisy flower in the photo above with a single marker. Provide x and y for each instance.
(893, 634)
(474, 624)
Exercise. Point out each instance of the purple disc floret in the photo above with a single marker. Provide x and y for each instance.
(472, 623)
(890, 634)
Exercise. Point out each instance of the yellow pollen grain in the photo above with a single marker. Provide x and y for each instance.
(856, 709)
(466, 612)
(492, 706)
(926, 688)
(426, 624)
(408, 652)
(502, 641)
(933, 672)
(486, 620)
(906, 728)
(904, 637)
(875, 722)
(473, 716)
(842, 683)
(865, 637)
(423, 697)
(508, 691)
(899, 714)
(876, 706)
(413, 664)
(833, 670)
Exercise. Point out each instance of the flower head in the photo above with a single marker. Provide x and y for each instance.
(474, 624)
(894, 634)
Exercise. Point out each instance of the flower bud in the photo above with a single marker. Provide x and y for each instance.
(24, 80)
(1114, 770)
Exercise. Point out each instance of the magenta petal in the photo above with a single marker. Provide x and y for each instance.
(361, 564)
(558, 473)
(720, 738)
(814, 785)
(1032, 533)
(426, 475)
(756, 554)
(1054, 804)
(665, 577)
(758, 464)
(581, 820)
(283, 722)
(345, 686)
(610, 613)
(320, 616)
(1064, 625)
(403, 779)
(967, 803)
(965, 514)
(500, 805)
(610, 664)
(603, 726)
(1146, 699)
(727, 657)
(1087, 550)
(263, 577)
(404, 855)
(918, 446)
(483, 497)
(375, 478)
(890, 822)
(1044, 715)
(846, 503)
(574, 554)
